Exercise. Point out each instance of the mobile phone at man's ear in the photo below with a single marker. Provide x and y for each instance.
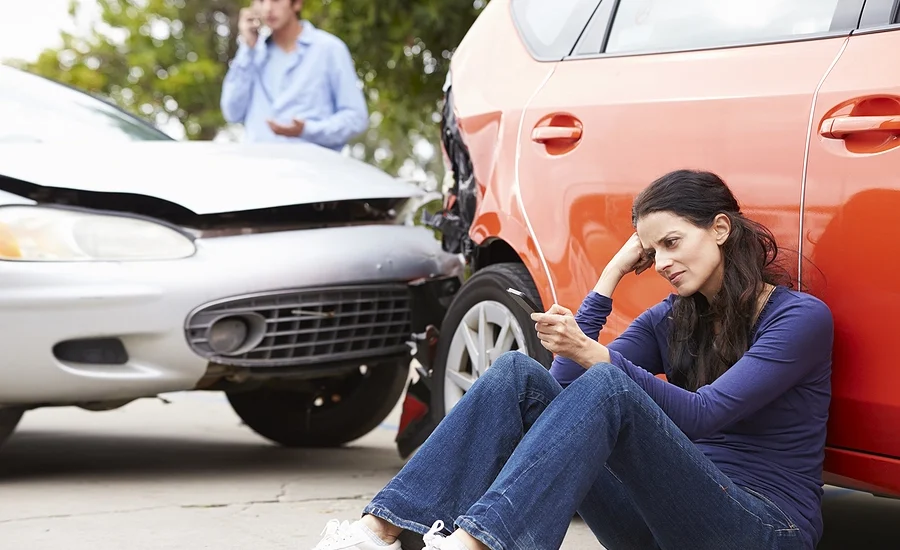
(524, 301)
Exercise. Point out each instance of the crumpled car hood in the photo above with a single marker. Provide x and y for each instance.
(204, 177)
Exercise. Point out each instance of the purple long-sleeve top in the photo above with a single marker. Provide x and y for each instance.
(763, 421)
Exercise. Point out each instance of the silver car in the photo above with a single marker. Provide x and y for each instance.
(133, 264)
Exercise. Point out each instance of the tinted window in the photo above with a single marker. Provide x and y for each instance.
(551, 27)
(659, 25)
(36, 110)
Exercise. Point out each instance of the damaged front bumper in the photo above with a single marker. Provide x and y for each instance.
(144, 306)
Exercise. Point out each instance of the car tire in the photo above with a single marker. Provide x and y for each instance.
(295, 418)
(483, 300)
(9, 419)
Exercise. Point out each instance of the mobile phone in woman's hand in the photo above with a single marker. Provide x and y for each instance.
(524, 301)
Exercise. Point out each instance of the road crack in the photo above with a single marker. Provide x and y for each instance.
(85, 514)
(279, 499)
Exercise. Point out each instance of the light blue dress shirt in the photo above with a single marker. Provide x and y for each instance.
(316, 83)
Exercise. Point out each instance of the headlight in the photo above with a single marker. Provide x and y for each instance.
(38, 234)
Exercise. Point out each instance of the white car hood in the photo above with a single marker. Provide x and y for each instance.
(204, 177)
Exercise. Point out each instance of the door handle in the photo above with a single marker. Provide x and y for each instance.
(843, 126)
(543, 134)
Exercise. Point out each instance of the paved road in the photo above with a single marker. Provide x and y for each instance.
(186, 475)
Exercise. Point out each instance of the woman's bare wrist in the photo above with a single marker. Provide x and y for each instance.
(592, 352)
(608, 282)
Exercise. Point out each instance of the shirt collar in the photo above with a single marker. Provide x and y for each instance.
(307, 36)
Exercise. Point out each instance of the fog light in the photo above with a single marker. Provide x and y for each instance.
(235, 335)
(228, 335)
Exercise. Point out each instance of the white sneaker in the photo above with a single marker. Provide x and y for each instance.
(434, 541)
(339, 535)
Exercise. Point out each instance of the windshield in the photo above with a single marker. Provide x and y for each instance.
(36, 110)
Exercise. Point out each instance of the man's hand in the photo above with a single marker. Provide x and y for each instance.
(294, 129)
(248, 26)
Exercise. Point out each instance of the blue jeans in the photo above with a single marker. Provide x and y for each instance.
(517, 457)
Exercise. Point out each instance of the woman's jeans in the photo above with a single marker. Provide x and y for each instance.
(517, 457)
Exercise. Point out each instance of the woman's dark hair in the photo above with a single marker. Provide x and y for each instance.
(707, 338)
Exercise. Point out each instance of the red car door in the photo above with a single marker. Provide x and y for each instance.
(850, 231)
(659, 86)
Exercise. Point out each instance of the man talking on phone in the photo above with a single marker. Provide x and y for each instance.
(297, 85)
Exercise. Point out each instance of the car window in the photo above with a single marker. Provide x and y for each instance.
(879, 13)
(550, 27)
(36, 110)
(661, 25)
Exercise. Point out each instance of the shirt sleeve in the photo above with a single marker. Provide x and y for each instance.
(638, 342)
(791, 344)
(351, 116)
(238, 85)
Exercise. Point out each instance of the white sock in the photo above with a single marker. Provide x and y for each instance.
(371, 534)
(456, 544)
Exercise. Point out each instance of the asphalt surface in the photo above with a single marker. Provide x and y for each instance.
(187, 475)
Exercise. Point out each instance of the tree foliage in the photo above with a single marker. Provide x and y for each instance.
(165, 59)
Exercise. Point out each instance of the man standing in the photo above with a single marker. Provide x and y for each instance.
(299, 84)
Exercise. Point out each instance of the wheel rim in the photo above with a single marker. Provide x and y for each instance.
(485, 332)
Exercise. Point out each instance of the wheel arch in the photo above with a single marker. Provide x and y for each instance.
(494, 251)
(501, 238)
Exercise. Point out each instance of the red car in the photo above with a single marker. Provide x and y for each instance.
(559, 112)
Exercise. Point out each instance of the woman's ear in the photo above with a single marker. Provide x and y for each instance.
(721, 228)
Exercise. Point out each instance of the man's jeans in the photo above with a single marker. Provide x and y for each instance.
(517, 457)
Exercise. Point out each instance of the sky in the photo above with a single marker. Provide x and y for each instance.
(29, 26)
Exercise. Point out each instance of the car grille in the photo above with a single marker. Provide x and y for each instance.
(312, 326)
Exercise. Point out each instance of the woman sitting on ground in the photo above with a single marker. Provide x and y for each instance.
(726, 453)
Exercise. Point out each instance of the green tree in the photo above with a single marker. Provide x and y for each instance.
(165, 59)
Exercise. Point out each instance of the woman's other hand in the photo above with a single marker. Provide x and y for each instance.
(630, 258)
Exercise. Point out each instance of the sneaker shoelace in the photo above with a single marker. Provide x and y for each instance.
(334, 533)
(432, 539)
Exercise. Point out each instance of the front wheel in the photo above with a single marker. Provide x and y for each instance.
(333, 411)
(482, 323)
